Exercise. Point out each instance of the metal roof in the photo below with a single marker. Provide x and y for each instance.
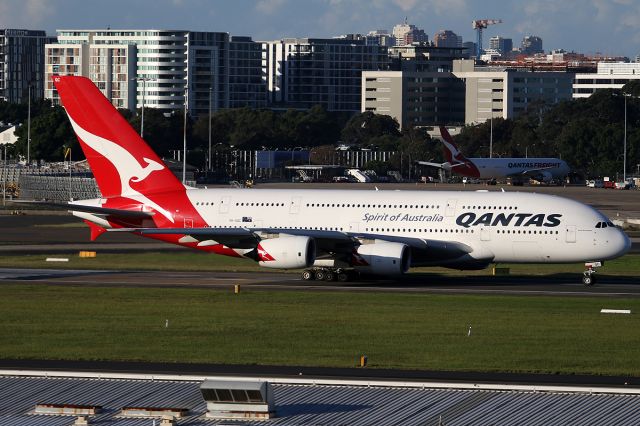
(316, 404)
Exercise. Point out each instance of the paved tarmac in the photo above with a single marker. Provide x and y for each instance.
(554, 285)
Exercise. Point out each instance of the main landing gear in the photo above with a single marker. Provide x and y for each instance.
(588, 276)
(327, 274)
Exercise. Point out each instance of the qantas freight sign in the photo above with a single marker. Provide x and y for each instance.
(326, 233)
(534, 165)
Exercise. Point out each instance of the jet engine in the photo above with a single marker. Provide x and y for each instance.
(286, 252)
(545, 177)
(382, 258)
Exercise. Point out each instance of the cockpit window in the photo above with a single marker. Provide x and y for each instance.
(610, 224)
(599, 225)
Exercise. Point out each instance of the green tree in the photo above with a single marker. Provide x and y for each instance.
(51, 133)
(363, 127)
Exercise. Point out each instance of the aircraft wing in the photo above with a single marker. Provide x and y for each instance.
(328, 241)
(428, 163)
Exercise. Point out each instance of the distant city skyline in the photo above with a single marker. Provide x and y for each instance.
(587, 26)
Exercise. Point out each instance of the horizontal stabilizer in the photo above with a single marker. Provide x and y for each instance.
(105, 211)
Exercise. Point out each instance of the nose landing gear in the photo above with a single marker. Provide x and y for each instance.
(588, 276)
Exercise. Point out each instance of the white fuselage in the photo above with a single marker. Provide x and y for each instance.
(513, 227)
(500, 168)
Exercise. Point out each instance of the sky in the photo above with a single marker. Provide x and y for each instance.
(610, 27)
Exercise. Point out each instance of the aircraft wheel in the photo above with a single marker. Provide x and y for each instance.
(307, 275)
(343, 277)
(320, 274)
(329, 276)
(588, 280)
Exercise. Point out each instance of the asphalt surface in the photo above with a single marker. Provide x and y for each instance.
(548, 285)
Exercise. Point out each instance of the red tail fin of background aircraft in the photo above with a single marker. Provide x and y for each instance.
(122, 163)
(450, 149)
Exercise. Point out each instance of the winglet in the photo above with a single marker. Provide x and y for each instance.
(96, 230)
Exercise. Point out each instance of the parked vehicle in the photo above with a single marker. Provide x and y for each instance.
(622, 185)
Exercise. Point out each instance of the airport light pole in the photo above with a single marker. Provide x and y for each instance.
(210, 94)
(29, 127)
(624, 157)
(184, 139)
(4, 177)
(491, 136)
(144, 91)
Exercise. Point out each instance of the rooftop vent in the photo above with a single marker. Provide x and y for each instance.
(67, 409)
(238, 399)
(154, 412)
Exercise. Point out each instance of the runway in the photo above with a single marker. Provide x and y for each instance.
(567, 285)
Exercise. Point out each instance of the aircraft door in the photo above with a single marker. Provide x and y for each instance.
(451, 208)
(294, 208)
(571, 234)
(224, 204)
(485, 233)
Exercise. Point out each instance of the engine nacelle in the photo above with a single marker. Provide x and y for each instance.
(287, 252)
(382, 258)
(546, 176)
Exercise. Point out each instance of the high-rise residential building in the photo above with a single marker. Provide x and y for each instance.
(531, 45)
(447, 38)
(469, 49)
(609, 75)
(381, 38)
(247, 83)
(406, 34)
(21, 64)
(507, 91)
(304, 72)
(501, 44)
(163, 68)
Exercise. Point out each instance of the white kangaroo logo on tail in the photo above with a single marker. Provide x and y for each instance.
(126, 165)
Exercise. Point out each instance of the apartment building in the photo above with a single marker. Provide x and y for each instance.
(164, 68)
(303, 72)
(21, 64)
(508, 91)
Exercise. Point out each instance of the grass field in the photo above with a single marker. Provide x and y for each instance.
(512, 334)
(628, 265)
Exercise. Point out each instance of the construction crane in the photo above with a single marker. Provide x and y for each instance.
(479, 25)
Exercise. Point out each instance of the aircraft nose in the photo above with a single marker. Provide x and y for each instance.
(627, 243)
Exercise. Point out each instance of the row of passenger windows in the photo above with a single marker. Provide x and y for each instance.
(261, 204)
(457, 231)
(490, 207)
(384, 206)
(508, 231)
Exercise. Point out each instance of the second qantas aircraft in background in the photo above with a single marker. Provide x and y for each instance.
(540, 169)
(327, 233)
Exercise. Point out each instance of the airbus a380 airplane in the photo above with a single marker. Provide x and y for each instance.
(540, 169)
(330, 233)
